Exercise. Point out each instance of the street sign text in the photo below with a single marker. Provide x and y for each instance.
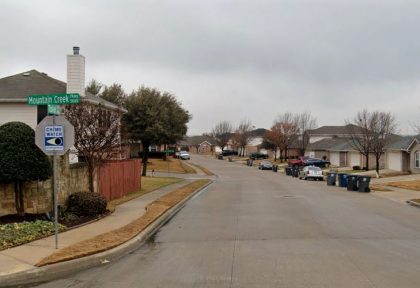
(54, 99)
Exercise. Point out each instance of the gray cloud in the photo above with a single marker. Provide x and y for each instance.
(232, 59)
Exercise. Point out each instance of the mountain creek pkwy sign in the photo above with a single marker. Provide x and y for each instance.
(54, 99)
(54, 136)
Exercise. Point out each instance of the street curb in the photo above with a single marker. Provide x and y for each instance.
(51, 272)
(412, 203)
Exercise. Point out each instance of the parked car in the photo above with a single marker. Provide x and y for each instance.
(258, 155)
(229, 152)
(308, 161)
(184, 155)
(265, 165)
(298, 161)
(311, 172)
(316, 162)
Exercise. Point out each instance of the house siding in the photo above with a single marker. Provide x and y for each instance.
(413, 168)
(322, 154)
(18, 112)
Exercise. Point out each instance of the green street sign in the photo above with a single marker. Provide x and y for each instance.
(54, 109)
(169, 151)
(54, 99)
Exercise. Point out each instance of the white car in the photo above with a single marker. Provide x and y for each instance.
(311, 172)
(184, 155)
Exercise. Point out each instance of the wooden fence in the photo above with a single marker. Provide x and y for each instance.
(119, 177)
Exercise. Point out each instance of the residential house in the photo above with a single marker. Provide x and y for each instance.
(404, 155)
(339, 151)
(334, 144)
(15, 89)
(330, 132)
(200, 144)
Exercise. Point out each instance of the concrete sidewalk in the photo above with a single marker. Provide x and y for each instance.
(397, 194)
(24, 257)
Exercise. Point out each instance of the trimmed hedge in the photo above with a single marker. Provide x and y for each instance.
(86, 204)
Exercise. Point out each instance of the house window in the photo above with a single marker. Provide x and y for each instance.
(153, 148)
(417, 157)
(42, 111)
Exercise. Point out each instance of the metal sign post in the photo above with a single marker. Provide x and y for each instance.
(54, 135)
(55, 194)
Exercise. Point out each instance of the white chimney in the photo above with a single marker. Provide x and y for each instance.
(76, 72)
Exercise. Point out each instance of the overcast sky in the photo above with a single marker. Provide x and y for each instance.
(230, 60)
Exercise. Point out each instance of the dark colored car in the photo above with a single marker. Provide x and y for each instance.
(316, 162)
(258, 155)
(265, 165)
(229, 153)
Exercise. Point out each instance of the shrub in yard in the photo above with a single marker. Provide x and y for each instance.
(21, 160)
(86, 204)
(357, 167)
(15, 234)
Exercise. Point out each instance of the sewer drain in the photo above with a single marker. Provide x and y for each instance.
(287, 196)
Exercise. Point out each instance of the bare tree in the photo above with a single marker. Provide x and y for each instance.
(370, 132)
(269, 145)
(222, 133)
(416, 127)
(273, 140)
(243, 135)
(283, 133)
(361, 136)
(288, 130)
(383, 128)
(305, 122)
(97, 134)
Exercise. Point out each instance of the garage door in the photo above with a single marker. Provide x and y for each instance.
(394, 161)
(335, 158)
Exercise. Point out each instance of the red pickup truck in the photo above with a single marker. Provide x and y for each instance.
(297, 162)
(308, 161)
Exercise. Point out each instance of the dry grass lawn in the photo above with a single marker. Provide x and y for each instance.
(381, 188)
(205, 170)
(148, 184)
(410, 185)
(174, 165)
(187, 168)
(119, 236)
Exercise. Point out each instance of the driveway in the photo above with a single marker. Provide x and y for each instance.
(262, 229)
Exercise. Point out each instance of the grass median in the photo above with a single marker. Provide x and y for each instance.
(148, 184)
(119, 236)
(171, 165)
(205, 170)
(410, 185)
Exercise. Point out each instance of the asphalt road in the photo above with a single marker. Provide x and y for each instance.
(262, 229)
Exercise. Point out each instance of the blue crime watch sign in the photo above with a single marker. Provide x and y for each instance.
(54, 138)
